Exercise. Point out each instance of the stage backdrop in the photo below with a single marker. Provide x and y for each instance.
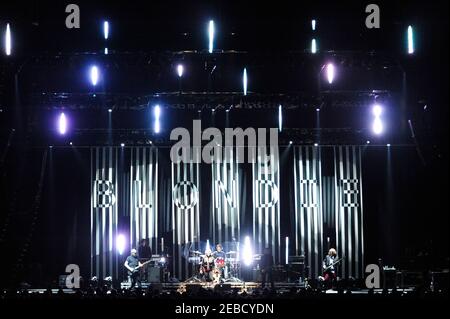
(128, 200)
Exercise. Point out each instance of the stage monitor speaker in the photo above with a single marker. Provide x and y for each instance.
(62, 281)
(222, 288)
(154, 274)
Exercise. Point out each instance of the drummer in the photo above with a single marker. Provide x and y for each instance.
(219, 253)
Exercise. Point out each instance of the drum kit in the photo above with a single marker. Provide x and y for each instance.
(217, 269)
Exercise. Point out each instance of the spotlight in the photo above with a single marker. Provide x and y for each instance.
(367, 142)
(213, 110)
(211, 36)
(106, 29)
(313, 25)
(247, 252)
(315, 144)
(106, 51)
(180, 70)
(410, 40)
(208, 246)
(109, 110)
(62, 124)
(330, 73)
(94, 75)
(156, 114)
(122, 145)
(120, 243)
(377, 126)
(244, 81)
(317, 110)
(8, 41)
(70, 143)
(376, 110)
(313, 46)
(388, 145)
(280, 117)
(290, 142)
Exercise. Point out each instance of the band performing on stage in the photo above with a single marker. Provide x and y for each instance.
(219, 266)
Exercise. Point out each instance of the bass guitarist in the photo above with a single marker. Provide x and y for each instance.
(133, 265)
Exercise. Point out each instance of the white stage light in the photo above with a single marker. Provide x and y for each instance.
(106, 29)
(208, 246)
(156, 114)
(376, 110)
(410, 40)
(287, 250)
(62, 124)
(8, 41)
(121, 243)
(244, 81)
(247, 252)
(280, 117)
(377, 126)
(122, 145)
(330, 73)
(211, 36)
(94, 75)
(313, 46)
(106, 51)
(180, 70)
(290, 142)
(313, 25)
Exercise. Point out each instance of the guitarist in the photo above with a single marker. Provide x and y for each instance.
(329, 269)
(133, 265)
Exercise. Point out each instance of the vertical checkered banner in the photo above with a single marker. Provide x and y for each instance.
(225, 197)
(104, 216)
(185, 215)
(266, 204)
(308, 207)
(349, 210)
(144, 195)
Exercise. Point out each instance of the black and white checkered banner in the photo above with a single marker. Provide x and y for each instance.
(225, 186)
(266, 203)
(308, 207)
(185, 215)
(144, 196)
(104, 217)
(349, 210)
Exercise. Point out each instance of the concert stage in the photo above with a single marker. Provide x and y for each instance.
(151, 151)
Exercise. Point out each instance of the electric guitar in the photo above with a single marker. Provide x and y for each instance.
(136, 269)
(337, 261)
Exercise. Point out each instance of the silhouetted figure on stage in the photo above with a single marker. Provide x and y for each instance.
(266, 265)
(133, 265)
(144, 250)
(145, 254)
